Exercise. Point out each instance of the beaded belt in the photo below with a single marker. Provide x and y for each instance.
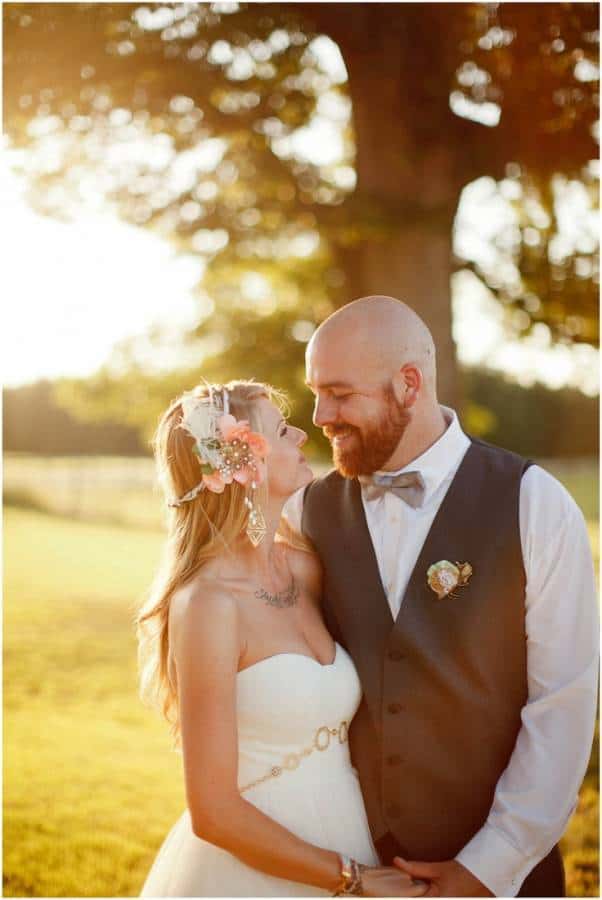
(291, 761)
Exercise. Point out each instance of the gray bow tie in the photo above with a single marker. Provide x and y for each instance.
(409, 486)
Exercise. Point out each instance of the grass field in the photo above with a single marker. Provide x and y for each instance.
(90, 783)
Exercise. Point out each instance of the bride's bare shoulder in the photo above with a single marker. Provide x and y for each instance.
(206, 598)
(204, 628)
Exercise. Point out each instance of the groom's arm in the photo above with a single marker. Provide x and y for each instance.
(538, 790)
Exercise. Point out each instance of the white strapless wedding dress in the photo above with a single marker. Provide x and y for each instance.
(294, 766)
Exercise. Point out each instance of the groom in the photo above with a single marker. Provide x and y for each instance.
(479, 679)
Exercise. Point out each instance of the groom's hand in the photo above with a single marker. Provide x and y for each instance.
(448, 879)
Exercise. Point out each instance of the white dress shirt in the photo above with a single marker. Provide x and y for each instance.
(537, 792)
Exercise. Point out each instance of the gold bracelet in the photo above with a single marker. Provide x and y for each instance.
(351, 878)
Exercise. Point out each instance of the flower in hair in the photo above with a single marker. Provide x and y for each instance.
(258, 444)
(227, 449)
(232, 430)
(242, 452)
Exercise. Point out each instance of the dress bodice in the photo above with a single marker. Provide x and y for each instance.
(293, 714)
(294, 766)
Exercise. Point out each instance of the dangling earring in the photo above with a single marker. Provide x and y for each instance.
(256, 526)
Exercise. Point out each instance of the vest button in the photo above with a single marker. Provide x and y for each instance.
(393, 811)
(395, 655)
(394, 759)
(394, 708)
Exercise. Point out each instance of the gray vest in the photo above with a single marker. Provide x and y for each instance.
(445, 683)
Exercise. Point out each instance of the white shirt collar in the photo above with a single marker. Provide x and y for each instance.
(442, 457)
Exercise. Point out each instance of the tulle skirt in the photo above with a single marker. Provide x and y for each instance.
(327, 812)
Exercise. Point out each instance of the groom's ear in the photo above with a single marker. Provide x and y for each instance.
(407, 383)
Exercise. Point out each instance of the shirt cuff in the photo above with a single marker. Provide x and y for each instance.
(496, 863)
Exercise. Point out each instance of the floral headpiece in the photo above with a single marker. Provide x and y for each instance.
(227, 449)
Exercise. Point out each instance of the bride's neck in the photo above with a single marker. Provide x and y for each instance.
(265, 560)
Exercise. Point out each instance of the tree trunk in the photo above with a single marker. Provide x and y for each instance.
(413, 265)
(409, 174)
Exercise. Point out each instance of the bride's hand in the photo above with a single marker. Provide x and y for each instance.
(387, 881)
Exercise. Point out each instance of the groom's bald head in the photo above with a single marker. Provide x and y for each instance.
(378, 335)
(371, 367)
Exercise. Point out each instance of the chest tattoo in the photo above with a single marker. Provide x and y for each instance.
(281, 600)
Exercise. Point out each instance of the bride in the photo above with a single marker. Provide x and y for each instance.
(233, 647)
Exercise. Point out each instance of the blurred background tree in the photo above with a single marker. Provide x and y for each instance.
(537, 421)
(188, 119)
(34, 423)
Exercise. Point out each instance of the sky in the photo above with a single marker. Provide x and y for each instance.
(74, 290)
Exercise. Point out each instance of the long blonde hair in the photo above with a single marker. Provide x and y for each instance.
(197, 531)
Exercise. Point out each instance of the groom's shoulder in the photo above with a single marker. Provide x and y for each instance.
(327, 483)
(314, 496)
(537, 485)
(497, 457)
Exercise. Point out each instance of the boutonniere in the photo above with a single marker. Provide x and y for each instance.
(444, 577)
